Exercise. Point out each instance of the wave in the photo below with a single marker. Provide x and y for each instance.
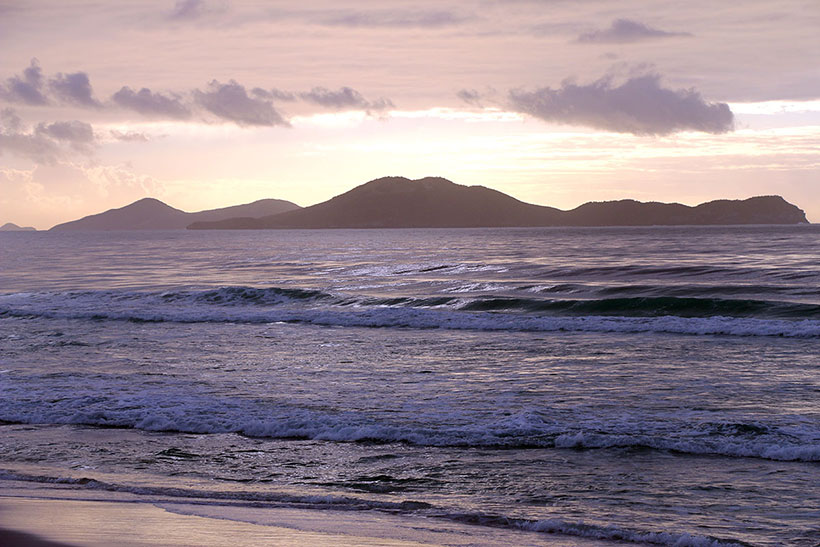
(682, 272)
(650, 307)
(677, 315)
(407, 508)
(181, 412)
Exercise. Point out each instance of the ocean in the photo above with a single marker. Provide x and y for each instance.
(650, 386)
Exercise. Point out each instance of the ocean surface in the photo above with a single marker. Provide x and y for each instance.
(652, 386)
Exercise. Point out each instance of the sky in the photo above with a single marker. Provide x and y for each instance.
(211, 103)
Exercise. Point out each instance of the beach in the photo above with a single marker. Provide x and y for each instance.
(46, 517)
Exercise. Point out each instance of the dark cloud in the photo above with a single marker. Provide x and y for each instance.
(392, 18)
(74, 88)
(29, 88)
(625, 31)
(26, 89)
(231, 102)
(639, 106)
(149, 103)
(345, 97)
(273, 94)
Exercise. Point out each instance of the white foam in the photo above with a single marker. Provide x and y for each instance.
(180, 410)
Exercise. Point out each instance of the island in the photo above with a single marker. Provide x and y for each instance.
(152, 214)
(435, 202)
(11, 227)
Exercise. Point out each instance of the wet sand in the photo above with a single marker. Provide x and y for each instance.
(37, 516)
(57, 523)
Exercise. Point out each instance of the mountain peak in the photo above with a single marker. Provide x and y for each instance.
(400, 202)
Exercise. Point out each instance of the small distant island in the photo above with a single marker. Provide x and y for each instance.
(435, 202)
(11, 227)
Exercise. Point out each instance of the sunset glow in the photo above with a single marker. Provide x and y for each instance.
(208, 104)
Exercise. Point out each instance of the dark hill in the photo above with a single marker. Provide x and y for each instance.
(397, 202)
(757, 210)
(11, 227)
(432, 202)
(152, 214)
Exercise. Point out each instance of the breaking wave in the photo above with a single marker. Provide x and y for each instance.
(664, 314)
(186, 413)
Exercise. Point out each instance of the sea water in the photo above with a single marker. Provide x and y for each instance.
(642, 385)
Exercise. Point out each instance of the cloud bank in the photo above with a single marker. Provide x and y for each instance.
(230, 102)
(639, 106)
(626, 31)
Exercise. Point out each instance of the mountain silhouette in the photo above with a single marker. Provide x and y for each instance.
(152, 214)
(434, 202)
(11, 227)
(397, 202)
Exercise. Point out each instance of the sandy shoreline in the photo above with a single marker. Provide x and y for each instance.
(37, 522)
(59, 517)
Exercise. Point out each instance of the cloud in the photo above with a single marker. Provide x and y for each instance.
(79, 135)
(130, 136)
(36, 147)
(74, 88)
(639, 106)
(26, 89)
(392, 18)
(231, 102)
(149, 103)
(47, 141)
(9, 120)
(626, 31)
(345, 97)
(470, 96)
(277, 94)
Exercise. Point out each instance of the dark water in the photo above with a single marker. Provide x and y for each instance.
(650, 385)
